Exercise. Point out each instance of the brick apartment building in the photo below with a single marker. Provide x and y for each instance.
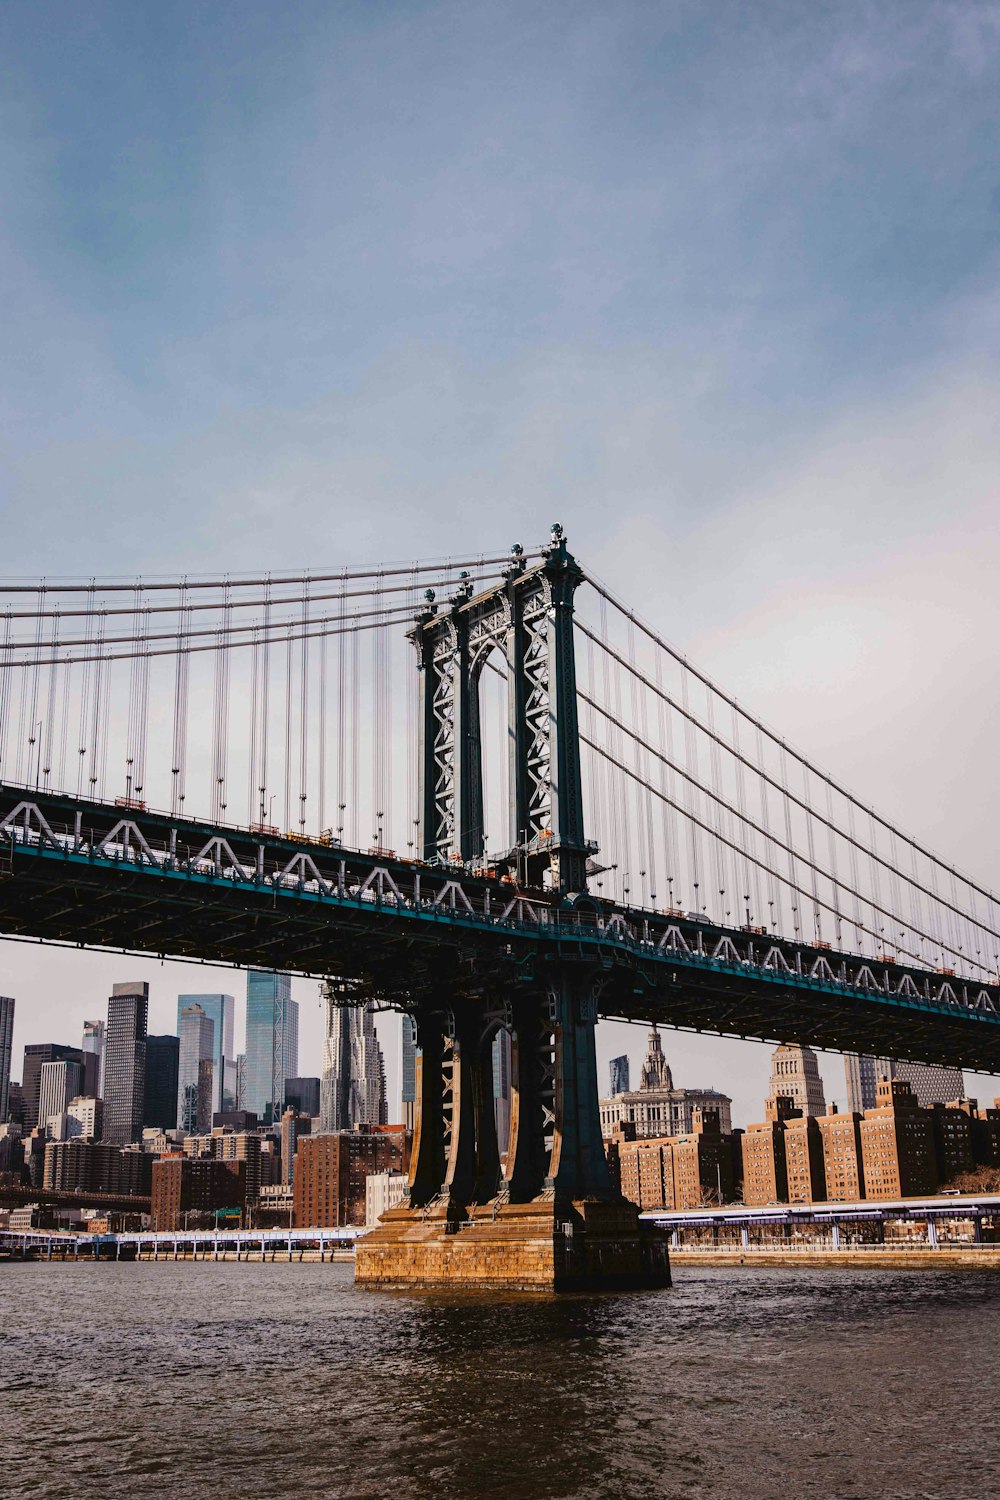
(674, 1172)
(194, 1186)
(805, 1168)
(331, 1171)
(842, 1161)
(952, 1141)
(765, 1172)
(897, 1144)
(78, 1166)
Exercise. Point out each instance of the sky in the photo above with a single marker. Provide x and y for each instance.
(717, 287)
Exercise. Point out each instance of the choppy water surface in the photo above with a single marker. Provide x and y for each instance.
(283, 1380)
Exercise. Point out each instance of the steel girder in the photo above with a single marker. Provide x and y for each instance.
(417, 933)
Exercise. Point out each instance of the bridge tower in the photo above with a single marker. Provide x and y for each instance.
(548, 1215)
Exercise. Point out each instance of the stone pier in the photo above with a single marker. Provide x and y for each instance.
(551, 1221)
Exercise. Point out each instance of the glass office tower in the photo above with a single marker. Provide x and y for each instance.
(272, 1051)
(221, 1011)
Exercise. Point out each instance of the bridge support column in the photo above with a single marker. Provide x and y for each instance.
(553, 1220)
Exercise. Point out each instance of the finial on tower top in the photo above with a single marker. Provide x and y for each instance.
(557, 531)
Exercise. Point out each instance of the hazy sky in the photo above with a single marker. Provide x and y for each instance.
(717, 286)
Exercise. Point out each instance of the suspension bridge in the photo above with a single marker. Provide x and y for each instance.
(487, 793)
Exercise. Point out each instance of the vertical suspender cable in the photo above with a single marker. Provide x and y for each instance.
(252, 769)
(288, 730)
(178, 766)
(321, 790)
(88, 665)
(48, 746)
(342, 644)
(33, 726)
(355, 690)
(5, 681)
(304, 711)
(265, 708)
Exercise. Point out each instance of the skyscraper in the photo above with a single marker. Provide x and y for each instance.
(59, 1083)
(795, 1075)
(195, 1068)
(302, 1094)
(352, 1088)
(36, 1054)
(125, 1063)
(6, 1046)
(221, 1011)
(272, 1053)
(619, 1075)
(931, 1085)
(162, 1062)
(93, 1057)
(501, 1088)
(409, 1072)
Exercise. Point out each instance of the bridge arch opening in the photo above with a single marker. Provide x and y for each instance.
(490, 832)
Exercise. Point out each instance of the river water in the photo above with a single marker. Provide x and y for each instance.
(266, 1381)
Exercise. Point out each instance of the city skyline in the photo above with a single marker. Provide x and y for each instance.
(703, 1058)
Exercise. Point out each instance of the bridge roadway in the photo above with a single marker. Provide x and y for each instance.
(100, 875)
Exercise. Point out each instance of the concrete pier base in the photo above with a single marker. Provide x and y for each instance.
(528, 1247)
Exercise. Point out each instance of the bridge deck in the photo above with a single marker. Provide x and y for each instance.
(93, 875)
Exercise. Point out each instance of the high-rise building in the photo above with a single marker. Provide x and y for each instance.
(15, 1103)
(804, 1160)
(6, 1048)
(59, 1083)
(241, 1081)
(897, 1144)
(619, 1075)
(195, 1068)
(96, 1167)
(656, 1108)
(502, 1052)
(272, 1053)
(842, 1158)
(84, 1117)
(94, 1033)
(953, 1146)
(159, 1110)
(675, 1172)
(293, 1127)
(125, 1063)
(188, 1190)
(36, 1054)
(931, 1085)
(221, 1011)
(409, 1072)
(244, 1146)
(332, 1170)
(352, 1090)
(795, 1076)
(302, 1094)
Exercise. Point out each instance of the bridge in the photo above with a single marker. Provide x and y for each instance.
(657, 853)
